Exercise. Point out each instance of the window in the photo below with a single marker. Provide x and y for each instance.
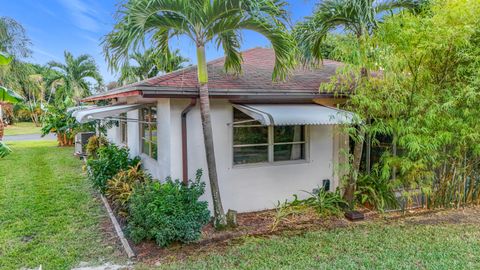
(148, 131)
(123, 128)
(254, 143)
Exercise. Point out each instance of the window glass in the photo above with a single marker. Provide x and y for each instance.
(289, 134)
(289, 152)
(250, 135)
(254, 143)
(247, 155)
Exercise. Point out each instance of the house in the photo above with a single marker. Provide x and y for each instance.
(271, 139)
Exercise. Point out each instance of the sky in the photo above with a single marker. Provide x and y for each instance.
(54, 26)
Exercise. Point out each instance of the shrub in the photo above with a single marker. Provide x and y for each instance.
(110, 160)
(168, 212)
(120, 187)
(324, 202)
(94, 143)
(376, 191)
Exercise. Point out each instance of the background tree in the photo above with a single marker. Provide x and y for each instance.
(202, 21)
(359, 17)
(73, 76)
(149, 64)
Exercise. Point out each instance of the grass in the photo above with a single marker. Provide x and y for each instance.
(48, 215)
(22, 128)
(374, 245)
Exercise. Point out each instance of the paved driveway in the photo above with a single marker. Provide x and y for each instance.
(28, 137)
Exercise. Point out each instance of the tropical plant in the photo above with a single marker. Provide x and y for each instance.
(73, 74)
(6, 96)
(110, 160)
(426, 99)
(149, 64)
(202, 21)
(360, 17)
(57, 119)
(94, 143)
(376, 191)
(167, 212)
(122, 185)
(4, 150)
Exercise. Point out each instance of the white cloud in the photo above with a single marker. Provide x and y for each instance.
(84, 16)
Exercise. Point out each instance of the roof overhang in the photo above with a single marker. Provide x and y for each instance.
(98, 113)
(248, 94)
(295, 114)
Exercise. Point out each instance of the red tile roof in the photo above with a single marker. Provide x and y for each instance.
(256, 77)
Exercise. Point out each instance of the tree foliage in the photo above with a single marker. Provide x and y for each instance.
(149, 64)
(73, 74)
(425, 98)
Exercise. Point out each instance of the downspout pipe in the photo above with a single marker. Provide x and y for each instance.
(187, 109)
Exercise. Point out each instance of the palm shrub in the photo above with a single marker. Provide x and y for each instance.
(121, 186)
(109, 161)
(168, 212)
(376, 190)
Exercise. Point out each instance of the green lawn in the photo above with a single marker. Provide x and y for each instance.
(48, 215)
(22, 128)
(376, 245)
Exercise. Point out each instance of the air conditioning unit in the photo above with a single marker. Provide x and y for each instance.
(81, 140)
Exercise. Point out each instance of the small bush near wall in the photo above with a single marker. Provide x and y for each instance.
(121, 186)
(168, 212)
(94, 143)
(110, 159)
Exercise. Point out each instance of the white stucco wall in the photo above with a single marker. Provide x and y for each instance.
(245, 188)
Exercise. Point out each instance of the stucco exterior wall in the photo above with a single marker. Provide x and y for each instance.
(242, 188)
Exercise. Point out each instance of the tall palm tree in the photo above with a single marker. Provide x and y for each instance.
(359, 17)
(73, 75)
(149, 64)
(202, 21)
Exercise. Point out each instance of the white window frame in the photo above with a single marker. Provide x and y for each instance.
(270, 144)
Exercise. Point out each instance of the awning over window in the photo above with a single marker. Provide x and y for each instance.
(87, 115)
(295, 114)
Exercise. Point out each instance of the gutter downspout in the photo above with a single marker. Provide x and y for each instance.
(190, 106)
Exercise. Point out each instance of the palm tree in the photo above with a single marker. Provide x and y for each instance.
(202, 21)
(149, 64)
(359, 17)
(73, 75)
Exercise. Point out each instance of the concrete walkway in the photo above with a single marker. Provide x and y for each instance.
(28, 137)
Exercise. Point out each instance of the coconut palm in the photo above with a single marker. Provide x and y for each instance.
(203, 22)
(359, 17)
(149, 64)
(73, 75)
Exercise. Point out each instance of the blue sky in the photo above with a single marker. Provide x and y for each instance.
(78, 25)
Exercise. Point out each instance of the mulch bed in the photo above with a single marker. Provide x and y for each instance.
(249, 225)
(259, 224)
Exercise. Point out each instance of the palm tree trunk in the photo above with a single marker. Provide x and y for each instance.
(219, 215)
